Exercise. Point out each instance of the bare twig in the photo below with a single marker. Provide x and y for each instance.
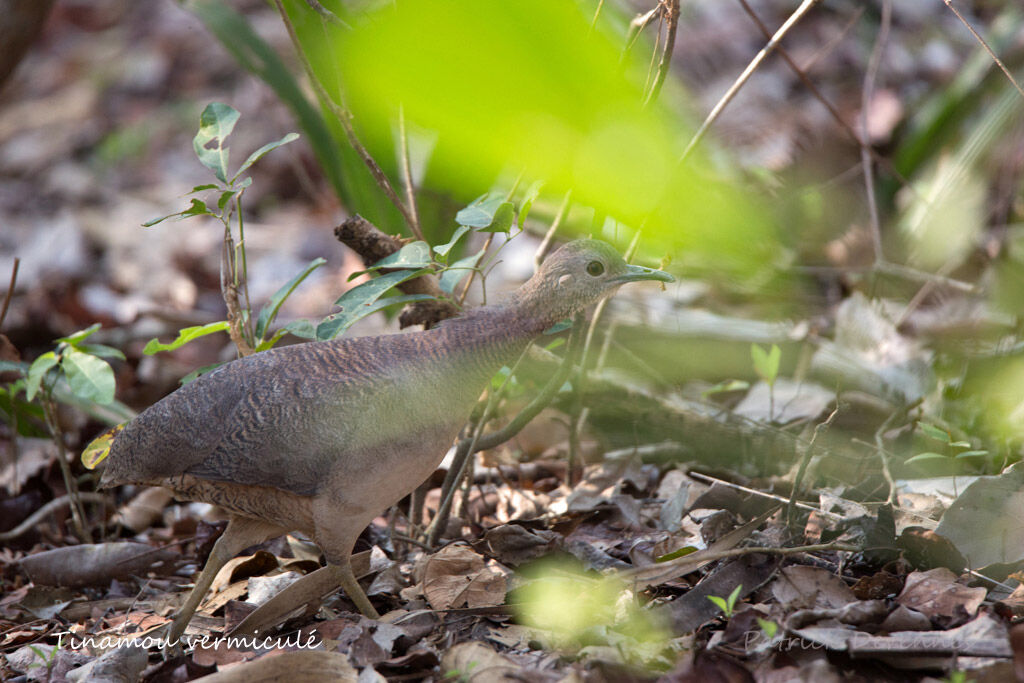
(42, 513)
(672, 22)
(798, 480)
(53, 425)
(410, 189)
(801, 73)
(545, 244)
(804, 7)
(327, 14)
(345, 119)
(988, 48)
(10, 290)
(874, 63)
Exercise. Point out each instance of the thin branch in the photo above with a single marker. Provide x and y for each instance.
(988, 49)
(345, 119)
(803, 9)
(672, 21)
(410, 189)
(10, 290)
(42, 513)
(545, 244)
(867, 94)
(798, 480)
(801, 73)
(327, 14)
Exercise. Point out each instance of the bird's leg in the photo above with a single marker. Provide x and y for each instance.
(342, 571)
(241, 533)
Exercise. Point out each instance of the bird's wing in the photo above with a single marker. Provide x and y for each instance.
(259, 420)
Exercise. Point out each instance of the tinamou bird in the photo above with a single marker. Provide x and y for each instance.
(322, 437)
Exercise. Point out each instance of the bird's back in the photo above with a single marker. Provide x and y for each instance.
(280, 418)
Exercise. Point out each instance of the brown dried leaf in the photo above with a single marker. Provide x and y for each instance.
(936, 594)
(91, 564)
(800, 587)
(456, 576)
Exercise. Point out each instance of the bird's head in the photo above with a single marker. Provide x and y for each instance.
(578, 274)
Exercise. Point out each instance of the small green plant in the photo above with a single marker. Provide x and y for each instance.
(252, 333)
(49, 658)
(727, 605)
(957, 677)
(766, 365)
(956, 451)
(460, 676)
(768, 628)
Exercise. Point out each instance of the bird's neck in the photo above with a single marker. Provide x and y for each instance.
(495, 335)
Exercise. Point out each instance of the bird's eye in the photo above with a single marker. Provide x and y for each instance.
(595, 268)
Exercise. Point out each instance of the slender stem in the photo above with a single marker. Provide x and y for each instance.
(545, 244)
(345, 119)
(804, 7)
(874, 63)
(53, 423)
(672, 21)
(988, 48)
(410, 190)
(820, 96)
(10, 290)
(250, 328)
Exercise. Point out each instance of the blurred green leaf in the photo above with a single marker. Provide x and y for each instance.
(675, 554)
(766, 363)
(215, 125)
(531, 196)
(443, 249)
(490, 215)
(258, 154)
(101, 350)
(933, 432)
(269, 312)
(335, 324)
(37, 371)
(454, 273)
(925, 458)
(74, 339)
(185, 335)
(89, 377)
(196, 208)
(199, 372)
(413, 255)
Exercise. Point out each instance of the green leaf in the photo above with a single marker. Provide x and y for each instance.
(769, 628)
(196, 208)
(719, 602)
(40, 366)
(200, 371)
(961, 444)
(923, 458)
(766, 363)
(727, 385)
(101, 350)
(215, 125)
(269, 312)
(413, 255)
(203, 188)
(531, 195)
(99, 448)
(225, 197)
(89, 377)
(675, 554)
(559, 327)
(454, 273)
(933, 432)
(74, 339)
(971, 454)
(335, 324)
(185, 335)
(258, 154)
(489, 215)
(443, 249)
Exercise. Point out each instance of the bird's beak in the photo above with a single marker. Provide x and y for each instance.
(636, 273)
